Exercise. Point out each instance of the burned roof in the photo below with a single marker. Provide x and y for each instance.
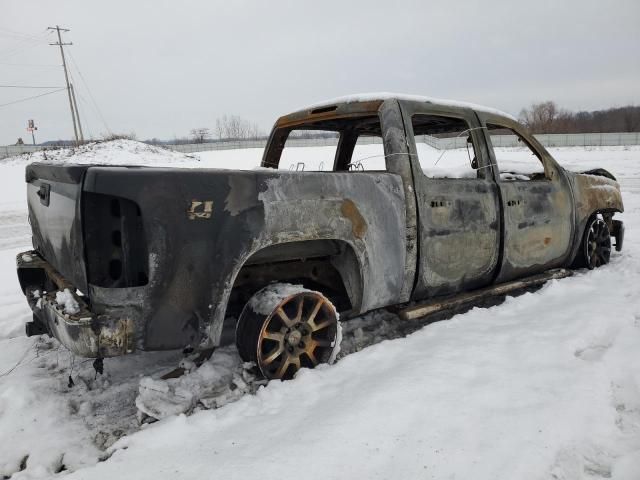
(358, 104)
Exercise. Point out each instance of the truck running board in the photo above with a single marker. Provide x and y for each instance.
(423, 309)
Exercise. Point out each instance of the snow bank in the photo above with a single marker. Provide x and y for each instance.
(114, 152)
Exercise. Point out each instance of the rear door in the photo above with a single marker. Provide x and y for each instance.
(536, 200)
(54, 194)
(457, 200)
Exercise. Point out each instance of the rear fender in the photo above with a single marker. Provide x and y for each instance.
(365, 211)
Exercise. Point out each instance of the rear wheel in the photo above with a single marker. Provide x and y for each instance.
(284, 328)
(595, 250)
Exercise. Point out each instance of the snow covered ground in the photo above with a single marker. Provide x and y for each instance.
(546, 385)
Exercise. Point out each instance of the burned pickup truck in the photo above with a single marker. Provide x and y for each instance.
(414, 199)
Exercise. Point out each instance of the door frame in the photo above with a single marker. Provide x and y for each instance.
(430, 282)
(555, 184)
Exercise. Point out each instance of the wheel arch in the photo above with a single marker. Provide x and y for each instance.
(584, 219)
(593, 194)
(331, 266)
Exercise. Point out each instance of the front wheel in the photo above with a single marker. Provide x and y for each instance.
(284, 328)
(595, 250)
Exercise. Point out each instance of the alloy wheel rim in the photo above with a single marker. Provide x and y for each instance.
(299, 333)
(598, 244)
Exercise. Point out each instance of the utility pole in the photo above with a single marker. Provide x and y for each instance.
(66, 77)
(75, 106)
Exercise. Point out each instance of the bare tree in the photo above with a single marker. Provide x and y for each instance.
(630, 119)
(221, 127)
(540, 117)
(234, 127)
(201, 134)
(254, 131)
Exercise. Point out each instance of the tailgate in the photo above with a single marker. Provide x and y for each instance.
(54, 193)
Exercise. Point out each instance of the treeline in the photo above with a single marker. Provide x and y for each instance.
(228, 127)
(234, 127)
(546, 117)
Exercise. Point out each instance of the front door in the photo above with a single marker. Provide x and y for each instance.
(457, 200)
(536, 200)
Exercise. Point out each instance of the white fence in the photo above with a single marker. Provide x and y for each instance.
(548, 140)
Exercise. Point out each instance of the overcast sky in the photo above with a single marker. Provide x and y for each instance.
(160, 68)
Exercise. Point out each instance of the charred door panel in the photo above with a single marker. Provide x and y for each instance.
(537, 226)
(537, 204)
(459, 214)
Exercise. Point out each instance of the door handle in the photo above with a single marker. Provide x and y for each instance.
(44, 193)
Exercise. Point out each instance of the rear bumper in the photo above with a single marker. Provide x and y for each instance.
(82, 331)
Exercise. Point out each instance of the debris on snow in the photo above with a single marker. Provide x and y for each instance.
(221, 379)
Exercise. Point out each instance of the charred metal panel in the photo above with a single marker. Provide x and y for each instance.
(538, 226)
(56, 223)
(84, 332)
(340, 110)
(592, 193)
(459, 219)
(459, 233)
(538, 214)
(595, 193)
(364, 209)
(193, 262)
(398, 160)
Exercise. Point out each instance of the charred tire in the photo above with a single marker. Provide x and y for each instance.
(283, 328)
(595, 249)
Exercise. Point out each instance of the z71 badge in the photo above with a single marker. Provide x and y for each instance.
(200, 209)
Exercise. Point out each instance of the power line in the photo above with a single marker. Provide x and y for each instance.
(29, 65)
(25, 44)
(8, 32)
(30, 98)
(27, 86)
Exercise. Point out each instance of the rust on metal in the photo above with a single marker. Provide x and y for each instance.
(119, 337)
(342, 111)
(358, 223)
(418, 311)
